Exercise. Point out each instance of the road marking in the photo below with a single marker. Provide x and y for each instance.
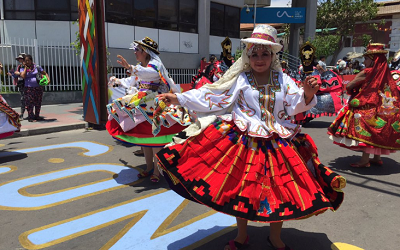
(7, 169)
(11, 197)
(91, 149)
(148, 225)
(56, 160)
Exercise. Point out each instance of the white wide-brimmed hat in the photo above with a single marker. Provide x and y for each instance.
(265, 35)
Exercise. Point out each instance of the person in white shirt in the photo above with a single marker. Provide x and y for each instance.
(243, 157)
(322, 63)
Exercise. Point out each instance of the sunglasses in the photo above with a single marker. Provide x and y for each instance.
(138, 49)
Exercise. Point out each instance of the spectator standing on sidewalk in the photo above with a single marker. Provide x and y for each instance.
(19, 82)
(33, 92)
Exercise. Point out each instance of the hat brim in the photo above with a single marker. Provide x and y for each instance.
(375, 52)
(19, 58)
(276, 47)
(147, 46)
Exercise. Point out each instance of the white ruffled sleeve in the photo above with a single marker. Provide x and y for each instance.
(210, 100)
(295, 101)
(145, 73)
(128, 82)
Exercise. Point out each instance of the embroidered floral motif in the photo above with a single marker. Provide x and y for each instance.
(267, 93)
(396, 126)
(244, 106)
(387, 108)
(210, 96)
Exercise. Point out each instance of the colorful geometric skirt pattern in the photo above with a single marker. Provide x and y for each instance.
(142, 135)
(265, 180)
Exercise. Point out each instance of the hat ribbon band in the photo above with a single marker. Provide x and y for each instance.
(263, 37)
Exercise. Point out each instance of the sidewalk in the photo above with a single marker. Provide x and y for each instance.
(58, 117)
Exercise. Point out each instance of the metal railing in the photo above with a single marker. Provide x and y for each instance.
(292, 61)
(62, 64)
(59, 60)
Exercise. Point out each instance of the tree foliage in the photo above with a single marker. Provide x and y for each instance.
(326, 45)
(344, 15)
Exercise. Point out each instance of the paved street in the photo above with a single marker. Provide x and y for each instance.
(78, 190)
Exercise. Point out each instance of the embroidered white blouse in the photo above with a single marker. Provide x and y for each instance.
(261, 111)
(142, 74)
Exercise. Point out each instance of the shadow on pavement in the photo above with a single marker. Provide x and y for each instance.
(7, 156)
(317, 124)
(389, 167)
(294, 238)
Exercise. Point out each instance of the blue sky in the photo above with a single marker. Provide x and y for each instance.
(284, 3)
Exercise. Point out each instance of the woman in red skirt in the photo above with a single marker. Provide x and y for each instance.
(370, 122)
(243, 157)
(131, 117)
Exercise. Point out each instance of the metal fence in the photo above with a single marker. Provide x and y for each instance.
(59, 60)
(62, 64)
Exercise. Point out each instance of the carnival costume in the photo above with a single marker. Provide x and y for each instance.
(330, 98)
(9, 119)
(370, 122)
(217, 69)
(131, 118)
(242, 157)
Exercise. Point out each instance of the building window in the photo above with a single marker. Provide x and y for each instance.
(119, 11)
(41, 10)
(145, 13)
(168, 14)
(224, 20)
(178, 15)
(348, 42)
(188, 16)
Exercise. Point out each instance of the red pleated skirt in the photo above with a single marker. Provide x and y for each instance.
(264, 180)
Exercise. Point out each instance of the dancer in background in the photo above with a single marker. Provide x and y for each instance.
(370, 122)
(9, 119)
(131, 117)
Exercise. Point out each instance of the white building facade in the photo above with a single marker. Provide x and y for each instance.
(186, 30)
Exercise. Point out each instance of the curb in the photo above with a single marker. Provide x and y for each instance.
(40, 131)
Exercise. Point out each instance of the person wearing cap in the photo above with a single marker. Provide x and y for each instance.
(243, 157)
(370, 121)
(33, 91)
(131, 118)
(19, 82)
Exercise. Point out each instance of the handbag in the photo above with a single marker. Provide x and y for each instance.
(41, 79)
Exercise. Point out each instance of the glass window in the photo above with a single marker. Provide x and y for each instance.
(52, 5)
(123, 7)
(74, 6)
(119, 11)
(188, 11)
(164, 25)
(19, 5)
(53, 16)
(232, 21)
(217, 19)
(224, 20)
(145, 23)
(168, 10)
(145, 8)
(19, 15)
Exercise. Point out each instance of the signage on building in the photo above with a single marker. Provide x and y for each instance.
(273, 15)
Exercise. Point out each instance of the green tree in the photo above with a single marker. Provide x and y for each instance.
(343, 15)
(325, 44)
